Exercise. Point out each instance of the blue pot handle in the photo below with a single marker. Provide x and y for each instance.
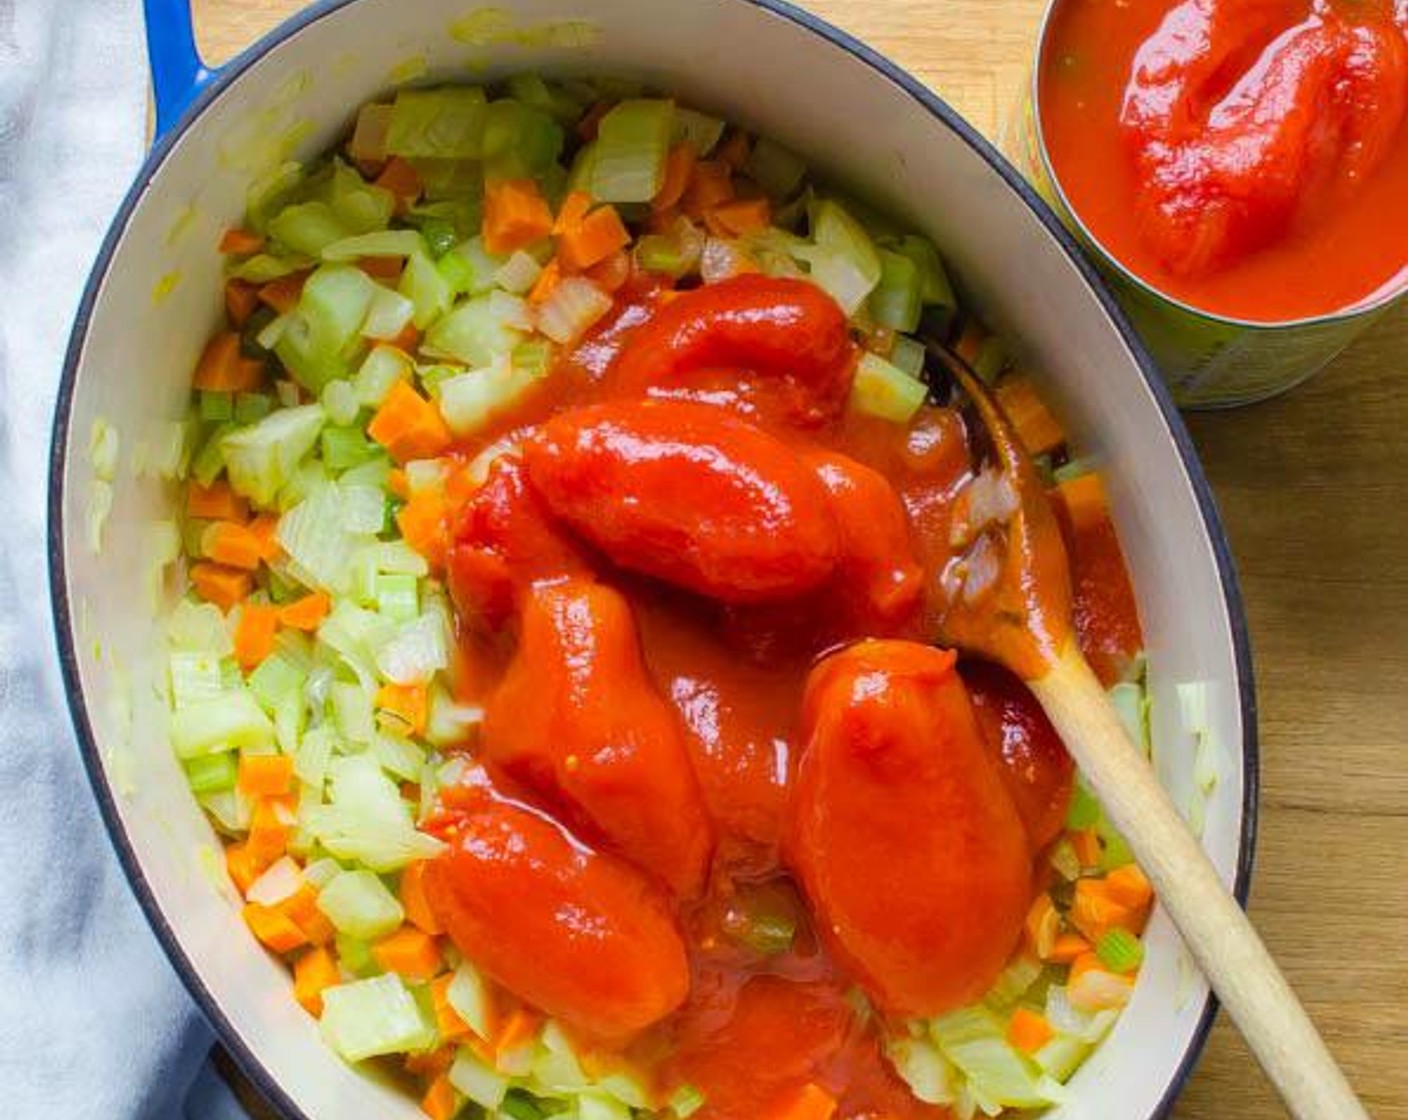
(178, 73)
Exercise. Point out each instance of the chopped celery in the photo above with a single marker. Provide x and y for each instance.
(380, 243)
(367, 820)
(575, 304)
(345, 448)
(416, 653)
(895, 303)
(935, 289)
(921, 1067)
(276, 677)
(474, 333)
(363, 509)
(592, 1106)
(518, 273)
(270, 192)
(633, 140)
(339, 401)
(480, 267)
(439, 123)
(909, 355)
(264, 267)
(209, 461)
(700, 132)
(195, 677)
(471, 999)
(214, 407)
(775, 169)
(229, 809)
(440, 236)
(449, 723)
(843, 259)
(426, 287)
(374, 472)
(262, 457)
(313, 756)
(384, 366)
(212, 773)
(199, 627)
(359, 205)
(992, 360)
(397, 597)
(479, 1082)
(519, 141)
(1084, 810)
(997, 1074)
(880, 389)
(324, 330)
(470, 401)
(352, 708)
(314, 536)
(231, 721)
(519, 1104)
(308, 227)
(250, 408)
(622, 1086)
(579, 178)
(1062, 1056)
(367, 1018)
(358, 903)
(533, 91)
(1014, 981)
(399, 757)
(1120, 950)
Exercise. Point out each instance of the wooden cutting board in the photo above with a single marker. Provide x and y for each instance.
(1313, 489)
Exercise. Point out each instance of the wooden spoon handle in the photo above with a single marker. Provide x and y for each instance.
(1217, 932)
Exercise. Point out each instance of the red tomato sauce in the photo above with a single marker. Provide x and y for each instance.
(723, 785)
(1248, 157)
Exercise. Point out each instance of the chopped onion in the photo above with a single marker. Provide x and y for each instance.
(575, 304)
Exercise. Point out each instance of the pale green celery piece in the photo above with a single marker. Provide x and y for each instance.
(324, 332)
(472, 333)
(921, 1067)
(1062, 1056)
(686, 1101)
(624, 1088)
(368, 1018)
(261, 458)
(470, 401)
(591, 1106)
(481, 266)
(401, 758)
(339, 400)
(973, 1040)
(275, 677)
(633, 140)
(195, 677)
(265, 267)
(700, 132)
(574, 306)
(1014, 981)
(379, 243)
(321, 871)
(229, 809)
(557, 1073)
(313, 757)
(415, 654)
(209, 461)
(444, 179)
(232, 721)
(657, 252)
(354, 954)
(352, 708)
(212, 773)
(483, 1085)
(356, 635)
(270, 192)
(397, 597)
(519, 273)
(471, 999)
(315, 538)
(250, 408)
(289, 719)
(389, 314)
(583, 170)
(775, 169)
(908, 355)
(363, 509)
(1120, 950)
(346, 449)
(895, 303)
(935, 289)
(358, 903)
(553, 99)
(529, 137)
(309, 476)
(449, 723)
(361, 206)
(367, 819)
(199, 627)
(426, 287)
(880, 389)
(445, 123)
(307, 227)
(375, 472)
(843, 260)
(385, 366)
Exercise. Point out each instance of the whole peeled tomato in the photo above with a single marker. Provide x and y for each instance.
(578, 720)
(578, 934)
(689, 494)
(902, 833)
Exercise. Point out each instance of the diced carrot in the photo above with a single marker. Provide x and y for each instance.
(1084, 501)
(1085, 842)
(408, 340)
(447, 1019)
(424, 524)
(402, 180)
(414, 901)
(546, 283)
(1035, 426)
(264, 527)
(215, 583)
(254, 635)
(430, 1063)
(268, 834)
(387, 269)
(1043, 926)
(307, 613)
(396, 482)
(679, 166)
(970, 341)
(302, 909)
(216, 502)
(314, 972)
(574, 208)
(265, 775)
(1094, 913)
(440, 1102)
(518, 1029)
(237, 242)
(734, 151)
(241, 865)
(1129, 886)
(405, 704)
(811, 1103)
(742, 215)
(223, 369)
(711, 185)
(410, 952)
(283, 294)
(1068, 947)
(592, 240)
(611, 274)
(591, 120)
(232, 544)
(273, 928)
(409, 426)
(241, 298)
(515, 215)
(1029, 1031)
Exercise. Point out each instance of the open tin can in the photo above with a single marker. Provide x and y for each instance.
(1209, 360)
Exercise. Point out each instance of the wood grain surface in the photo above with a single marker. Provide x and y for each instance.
(1314, 490)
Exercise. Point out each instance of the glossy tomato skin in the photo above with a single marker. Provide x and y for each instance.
(877, 572)
(579, 935)
(1037, 770)
(578, 720)
(689, 494)
(902, 833)
(772, 326)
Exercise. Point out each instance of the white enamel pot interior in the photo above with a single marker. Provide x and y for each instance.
(155, 295)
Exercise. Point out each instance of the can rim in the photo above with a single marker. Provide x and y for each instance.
(1107, 258)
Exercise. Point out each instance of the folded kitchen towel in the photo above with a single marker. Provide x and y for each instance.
(93, 1021)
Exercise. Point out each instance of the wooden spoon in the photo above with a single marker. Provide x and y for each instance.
(1019, 615)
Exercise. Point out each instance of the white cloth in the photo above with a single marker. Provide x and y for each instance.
(93, 1022)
